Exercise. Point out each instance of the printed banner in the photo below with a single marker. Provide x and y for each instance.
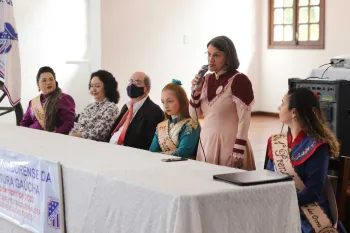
(10, 68)
(31, 192)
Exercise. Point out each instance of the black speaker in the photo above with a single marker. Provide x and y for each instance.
(335, 103)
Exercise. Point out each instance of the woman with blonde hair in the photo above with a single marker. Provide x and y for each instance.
(178, 135)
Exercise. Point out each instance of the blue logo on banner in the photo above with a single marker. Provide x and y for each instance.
(6, 37)
(53, 214)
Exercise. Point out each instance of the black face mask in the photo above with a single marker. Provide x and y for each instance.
(135, 91)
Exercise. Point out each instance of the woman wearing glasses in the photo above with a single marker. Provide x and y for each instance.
(224, 98)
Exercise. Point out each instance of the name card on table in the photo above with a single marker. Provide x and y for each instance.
(31, 192)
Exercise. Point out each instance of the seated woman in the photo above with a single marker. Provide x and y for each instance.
(179, 134)
(96, 121)
(304, 153)
(52, 110)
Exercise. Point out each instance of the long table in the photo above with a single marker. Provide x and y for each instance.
(110, 188)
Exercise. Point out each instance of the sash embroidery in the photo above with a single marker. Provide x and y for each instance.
(313, 212)
(168, 138)
(38, 111)
(304, 152)
(164, 140)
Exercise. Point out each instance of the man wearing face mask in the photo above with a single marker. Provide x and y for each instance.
(138, 119)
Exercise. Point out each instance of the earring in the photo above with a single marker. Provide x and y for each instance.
(39, 89)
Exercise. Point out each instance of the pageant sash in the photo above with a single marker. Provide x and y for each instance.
(38, 111)
(313, 212)
(165, 142)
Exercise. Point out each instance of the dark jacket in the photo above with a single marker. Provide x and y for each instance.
(143, 126)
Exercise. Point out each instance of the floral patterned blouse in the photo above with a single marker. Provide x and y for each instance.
(96, 121)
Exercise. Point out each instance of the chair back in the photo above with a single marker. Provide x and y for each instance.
(342, 184)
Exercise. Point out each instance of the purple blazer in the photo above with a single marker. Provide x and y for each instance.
(65, 115)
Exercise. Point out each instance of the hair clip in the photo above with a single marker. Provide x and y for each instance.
(316, 95)
(178, 82)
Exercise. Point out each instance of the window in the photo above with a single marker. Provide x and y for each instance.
(296, 24)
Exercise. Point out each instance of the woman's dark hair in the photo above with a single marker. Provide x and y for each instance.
(181, 97)
(51, 103)
(311, 118)
(225, 44)
(110, 85)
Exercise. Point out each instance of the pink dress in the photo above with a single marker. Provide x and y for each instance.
(225, 105)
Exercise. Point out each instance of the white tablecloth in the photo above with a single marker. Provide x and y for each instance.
(111, 188)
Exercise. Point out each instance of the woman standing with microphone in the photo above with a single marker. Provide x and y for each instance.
(224, 98)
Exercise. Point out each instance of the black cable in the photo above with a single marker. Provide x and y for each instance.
(329, 63)
(199, 136)
(282, 128)
(332, 63)
(325, 71)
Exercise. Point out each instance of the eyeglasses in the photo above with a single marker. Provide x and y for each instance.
(214, 56)
(136, 82)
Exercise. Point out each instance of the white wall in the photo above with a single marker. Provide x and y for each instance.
(147, 36)
(279, 65)
(62, 34)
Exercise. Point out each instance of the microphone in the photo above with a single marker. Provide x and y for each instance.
(201, 72)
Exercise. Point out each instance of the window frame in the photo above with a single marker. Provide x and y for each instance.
(295, 44)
